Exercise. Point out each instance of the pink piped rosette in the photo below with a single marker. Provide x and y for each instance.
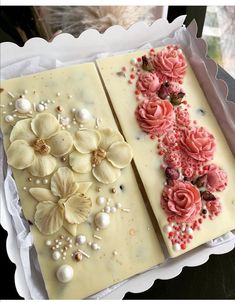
(163, 113)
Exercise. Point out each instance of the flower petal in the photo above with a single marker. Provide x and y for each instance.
(108, 137)
(119, 154)
(77, 208)
(62, 183)
(45, 125)
(106, 172)
(61, 143)
(42, 194)
(71, 228)
(22, 131)
(87, 140)
(48, 217)
(83, 187)
(79, 162)
(20, 155)
(42, 165)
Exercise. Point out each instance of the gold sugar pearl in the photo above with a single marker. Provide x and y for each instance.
(113, 190)
(78, 256)
(99, 189)
(59, 108)
(63, 158)
(29, 179)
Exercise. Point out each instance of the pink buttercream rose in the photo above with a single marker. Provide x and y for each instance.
(169, 139)
(215, 179)
(214, 206)
(181, 201)
(148, 83)
(155, 116)
(170, 64)
(173, 159)
(182, 117)
(198, 144)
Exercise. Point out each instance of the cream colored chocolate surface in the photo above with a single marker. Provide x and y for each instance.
(122, 95)
(129, 244)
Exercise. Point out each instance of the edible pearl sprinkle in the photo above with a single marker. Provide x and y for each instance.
(95, 246)
(45, 181)
(133, 61)
(56, 255)
(189, 231)
(24, 188)
(100, 200)
(65, 273)
(81, 239)
(22, 105)
(40, 108)
(58, 94)
(48, 242)
(102, 220)
(176, 247)
(37, 181)
(113, 209)
(167, 228)
(107, 209)
(82, 115)
(118, 205)
(9, 118)
(115, 253)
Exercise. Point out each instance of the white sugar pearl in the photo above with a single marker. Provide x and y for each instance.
(48, 243)
(40, 108)
(83, 115)
(100, 200)
(189, 230)
(81, 239)
(95, 246)
(167, 228)
(133, 61)
(176, 247)
(113, 209)
(118, 205)
(45, 181)
(65, 273)
(9, 118)
(73, 110)
(22, 105)
(102, 220)
(107, 209)
(37, 181)
(56, 255)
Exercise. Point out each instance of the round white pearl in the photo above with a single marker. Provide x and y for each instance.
(95, 246)
(22, 105)
(102, 220)
(167, 228)
(56, 255)
(82, 115)
(37, 181)
(81, 239)
(40, 108)
(64, 273)
(133, 61)
(100, 200)
(9, 118)
(189, 230)
(113, 210)
(118, 205)
(48, 242)
(176, 247)
(107, 209)
(45, 181)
